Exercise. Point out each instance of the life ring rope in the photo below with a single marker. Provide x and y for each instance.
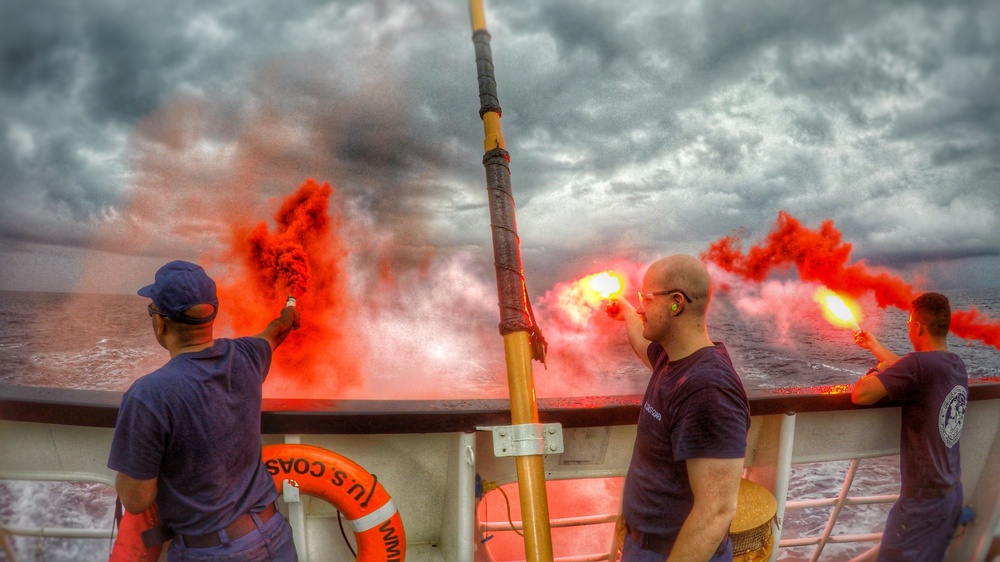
(355, 492)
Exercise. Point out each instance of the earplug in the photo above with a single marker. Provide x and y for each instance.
(673, 306)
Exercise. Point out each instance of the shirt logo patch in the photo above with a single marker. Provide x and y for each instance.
(652, 411)
(952, 415)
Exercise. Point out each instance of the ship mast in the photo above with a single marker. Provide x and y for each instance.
(516, 322)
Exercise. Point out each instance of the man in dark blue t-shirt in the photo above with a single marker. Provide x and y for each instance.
(932, 388)
(188, 434)
(682, 483)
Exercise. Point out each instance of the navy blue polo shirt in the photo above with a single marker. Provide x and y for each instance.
(695, 407)
(933, 389)
(195, 424)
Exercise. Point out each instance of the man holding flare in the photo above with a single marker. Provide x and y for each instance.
(683, 480)
(188, 434)
(932, 387)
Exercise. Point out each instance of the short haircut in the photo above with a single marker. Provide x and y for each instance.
(933, 311)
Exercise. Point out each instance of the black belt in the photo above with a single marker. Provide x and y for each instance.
(244, 524)
(662, 544)
(928, 493)
(659, 544)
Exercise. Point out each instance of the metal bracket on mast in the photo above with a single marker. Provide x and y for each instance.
(526, 439)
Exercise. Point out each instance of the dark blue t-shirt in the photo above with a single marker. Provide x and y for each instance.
(195, 424)
(933, 389)
(693, 408)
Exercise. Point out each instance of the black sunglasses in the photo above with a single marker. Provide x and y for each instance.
(151, 311)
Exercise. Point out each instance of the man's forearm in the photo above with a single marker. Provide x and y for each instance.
(881, 352)
(633, 325)
(279, 328)
(715, 485)
(136, 495)
(700, 536)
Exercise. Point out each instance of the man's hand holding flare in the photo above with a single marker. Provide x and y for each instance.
(867, 340)
(618, 308)
(291, 312)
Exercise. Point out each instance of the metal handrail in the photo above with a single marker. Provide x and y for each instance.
(56, 532)
(555, 523)
(558, 522)
(820, 541)
(837, 503)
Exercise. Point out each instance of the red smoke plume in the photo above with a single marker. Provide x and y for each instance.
(821, 256)
(303, 255)
(280, 259)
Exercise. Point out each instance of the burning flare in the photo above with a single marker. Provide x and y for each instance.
(607, 285)
(837, 311)
(576, 301)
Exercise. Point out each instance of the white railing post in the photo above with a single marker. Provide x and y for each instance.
(782, 473)
(296, 511)
(852, 469)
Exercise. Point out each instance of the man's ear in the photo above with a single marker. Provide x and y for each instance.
(159, 325)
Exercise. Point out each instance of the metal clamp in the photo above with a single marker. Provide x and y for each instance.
(290, 491)
(526, 439)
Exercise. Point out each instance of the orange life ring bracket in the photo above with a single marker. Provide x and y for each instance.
(354, 491)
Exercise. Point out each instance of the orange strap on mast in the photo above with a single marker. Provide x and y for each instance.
(515, 320)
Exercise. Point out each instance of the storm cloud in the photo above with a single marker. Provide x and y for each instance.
(635, 129)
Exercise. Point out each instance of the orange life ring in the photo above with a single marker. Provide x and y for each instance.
(354, 491)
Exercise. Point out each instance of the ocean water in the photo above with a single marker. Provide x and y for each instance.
(104, 342)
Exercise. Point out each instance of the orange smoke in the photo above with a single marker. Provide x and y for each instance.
(279, 259)
(821, 256)
(303, 255)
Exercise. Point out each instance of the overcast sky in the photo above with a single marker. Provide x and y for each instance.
(635, 128)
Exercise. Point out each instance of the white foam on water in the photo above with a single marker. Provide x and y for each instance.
(76, 505)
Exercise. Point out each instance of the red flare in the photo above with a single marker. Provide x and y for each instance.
(836, 310)
(578, 300)
(821, 256)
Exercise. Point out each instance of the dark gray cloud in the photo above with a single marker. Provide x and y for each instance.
(634, 128)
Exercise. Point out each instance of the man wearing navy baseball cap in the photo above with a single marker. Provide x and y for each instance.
(181, 287)
(187, 440)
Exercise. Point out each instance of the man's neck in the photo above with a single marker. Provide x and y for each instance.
(178, 349)
(932, 345)
(681, 346)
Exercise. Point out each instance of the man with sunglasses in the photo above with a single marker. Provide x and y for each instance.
(188, 434)
(683, 479)
(932, 388)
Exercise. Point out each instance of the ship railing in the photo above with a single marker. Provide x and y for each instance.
(788, 426)
(55, 531)
(837, 503)
(554, 523)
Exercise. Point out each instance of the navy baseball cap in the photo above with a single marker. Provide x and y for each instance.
(179, 286)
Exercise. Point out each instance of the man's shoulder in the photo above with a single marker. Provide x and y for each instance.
(252, 341)
(932, 361)
(155, 386)
(712, 374)
(715, 362)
